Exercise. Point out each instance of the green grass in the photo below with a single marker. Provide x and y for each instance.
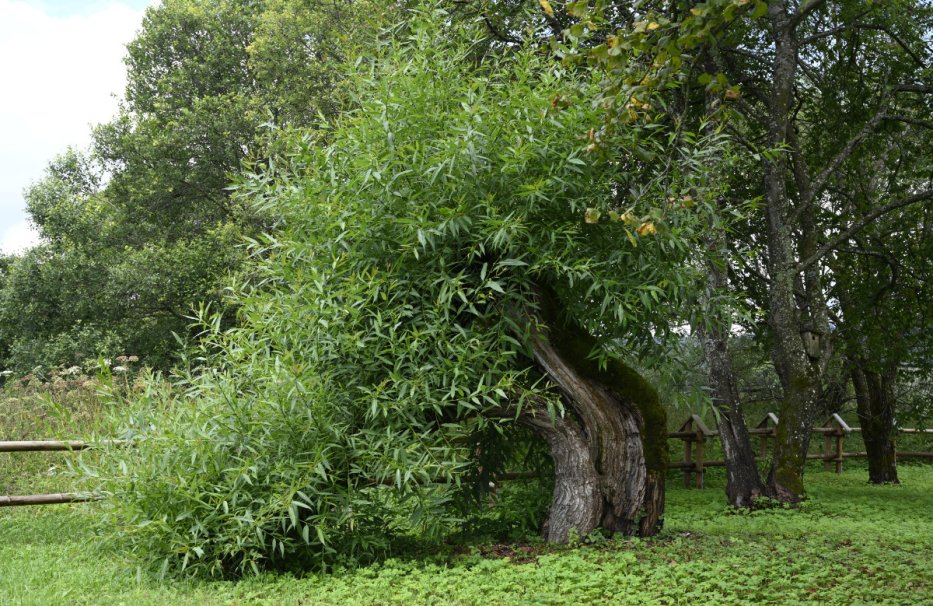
(850, 544)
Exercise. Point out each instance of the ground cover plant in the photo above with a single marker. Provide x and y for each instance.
(851, 543)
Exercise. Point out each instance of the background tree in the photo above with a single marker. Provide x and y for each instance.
(143, 229)
(787, 69)
(881, 285)
(812, 44)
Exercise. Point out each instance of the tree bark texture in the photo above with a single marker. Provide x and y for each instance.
(796, 350)
(743, 485)
(609, 447)
(874, 394)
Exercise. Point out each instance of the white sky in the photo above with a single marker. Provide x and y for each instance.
(61, 63)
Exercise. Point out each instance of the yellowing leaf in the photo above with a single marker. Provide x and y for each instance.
(646, 229)
(591, 216)
(547, 7)
(578, 9)
(653, 26)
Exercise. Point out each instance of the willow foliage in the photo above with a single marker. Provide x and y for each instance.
(384, 325)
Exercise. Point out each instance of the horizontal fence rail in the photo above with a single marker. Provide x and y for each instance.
(693, 432)
(13, 446)
(47, 499)
(53, 445)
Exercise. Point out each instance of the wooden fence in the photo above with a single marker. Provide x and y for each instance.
(49, 446)
(693, 433)
(695, 436)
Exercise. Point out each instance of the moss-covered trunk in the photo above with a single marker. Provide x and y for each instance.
(799, 332)
(610, 446)
(874, 394)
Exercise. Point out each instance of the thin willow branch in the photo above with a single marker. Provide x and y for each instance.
(820, 181)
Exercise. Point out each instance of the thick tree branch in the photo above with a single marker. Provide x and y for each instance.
(853, 24)
(860, 225)
(912, 88)
(901, 43)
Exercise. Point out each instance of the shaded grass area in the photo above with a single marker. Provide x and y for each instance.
(850, 544)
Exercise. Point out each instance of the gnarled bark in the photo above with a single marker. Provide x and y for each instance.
(610, 446)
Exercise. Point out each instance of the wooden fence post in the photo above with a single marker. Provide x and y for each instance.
(766, 430)
(688, 459)
(700, 433)
(688, 434)
(834, 432)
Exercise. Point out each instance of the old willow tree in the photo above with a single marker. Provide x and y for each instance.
(457, 256)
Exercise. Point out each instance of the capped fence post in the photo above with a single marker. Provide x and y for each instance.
(835, 430)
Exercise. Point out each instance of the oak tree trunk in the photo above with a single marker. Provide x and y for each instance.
(743, 485)
(799, 343)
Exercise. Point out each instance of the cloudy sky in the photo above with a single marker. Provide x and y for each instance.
(61, 63)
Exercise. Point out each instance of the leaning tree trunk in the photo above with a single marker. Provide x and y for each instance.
(610, 446)
(743, 485)
(874, 394)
